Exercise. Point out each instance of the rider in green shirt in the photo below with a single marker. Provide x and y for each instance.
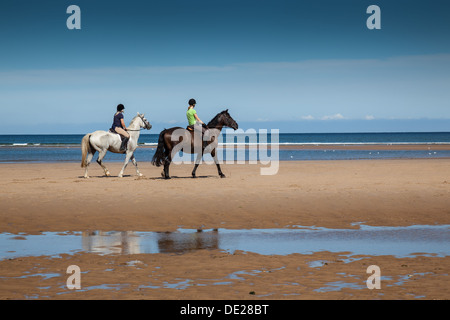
(194, 121)
(191, 114)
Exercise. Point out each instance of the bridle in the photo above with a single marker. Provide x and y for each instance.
(140, 129)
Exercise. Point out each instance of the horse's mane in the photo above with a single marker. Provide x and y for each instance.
(132, 120)
(213, 123)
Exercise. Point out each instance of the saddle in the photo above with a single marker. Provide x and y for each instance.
(192, 128)
(124, 141)
(121, 136)
(204, 131)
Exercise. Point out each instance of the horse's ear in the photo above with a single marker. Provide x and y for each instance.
(138, 114)
(226, 111)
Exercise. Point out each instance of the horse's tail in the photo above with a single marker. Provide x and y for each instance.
(85, 148)
(160, 157)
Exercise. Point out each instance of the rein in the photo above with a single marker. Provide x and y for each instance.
(136, 129)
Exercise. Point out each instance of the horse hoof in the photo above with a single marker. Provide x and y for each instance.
(194, 176)
(120, 176)
(167, 178)
(222, 176)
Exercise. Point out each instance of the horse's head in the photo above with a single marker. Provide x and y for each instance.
(144, 122)
(227, 120)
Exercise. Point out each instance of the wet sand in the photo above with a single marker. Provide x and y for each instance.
(37, 198)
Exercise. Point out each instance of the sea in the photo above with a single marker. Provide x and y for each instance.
(66, 147)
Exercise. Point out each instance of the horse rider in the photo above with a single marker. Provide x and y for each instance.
(119, 127)
(194, 121)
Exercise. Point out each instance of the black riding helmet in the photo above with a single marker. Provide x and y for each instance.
(120, 107)
(192, 102)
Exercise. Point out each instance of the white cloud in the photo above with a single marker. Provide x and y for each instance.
(336, 116)
(369, 117)
(308, 117)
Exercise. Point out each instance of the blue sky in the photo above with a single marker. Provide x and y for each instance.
(298, 66)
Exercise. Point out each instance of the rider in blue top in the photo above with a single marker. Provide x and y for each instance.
(119, 127)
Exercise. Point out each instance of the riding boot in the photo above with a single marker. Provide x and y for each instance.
(206, 138)
(123, 146)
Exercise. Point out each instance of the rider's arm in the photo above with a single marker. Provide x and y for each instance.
(197, 118)
(123, 124)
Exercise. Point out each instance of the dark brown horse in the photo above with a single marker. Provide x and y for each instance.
(176, 139)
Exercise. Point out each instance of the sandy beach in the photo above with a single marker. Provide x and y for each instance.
(37, 198)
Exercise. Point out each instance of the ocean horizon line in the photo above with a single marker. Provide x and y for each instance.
(245, 133)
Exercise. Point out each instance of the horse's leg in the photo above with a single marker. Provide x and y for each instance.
(167, 162)
(213, 153)
(129, 154)
(133, 160)
(101, 155)
(166, 169)
(165, 173)
(197, 163)
(88, 161)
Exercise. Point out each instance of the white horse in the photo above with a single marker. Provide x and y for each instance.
(103, 141)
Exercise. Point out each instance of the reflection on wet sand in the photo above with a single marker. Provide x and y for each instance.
(123, 242)
(170, 242)
(130, 242)
(398, 241)
(368, 240)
